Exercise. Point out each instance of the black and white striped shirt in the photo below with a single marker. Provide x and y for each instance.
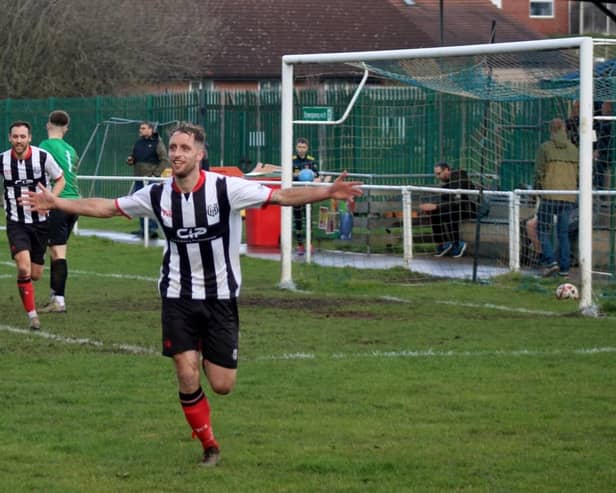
(23, 175)
(203, 230)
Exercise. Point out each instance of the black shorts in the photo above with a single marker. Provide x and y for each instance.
(31, 237)
(60, 227)
(209, 326)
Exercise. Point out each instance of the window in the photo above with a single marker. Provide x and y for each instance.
(542, 8)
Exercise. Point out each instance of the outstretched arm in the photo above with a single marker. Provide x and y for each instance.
(339, 189)
(44, 200)
(58, 186)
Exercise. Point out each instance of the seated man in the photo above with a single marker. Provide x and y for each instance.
(445, 217)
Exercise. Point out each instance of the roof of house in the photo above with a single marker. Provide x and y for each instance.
(257, 33)
(466, 22)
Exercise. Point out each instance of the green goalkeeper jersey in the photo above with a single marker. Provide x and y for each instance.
(66, 156)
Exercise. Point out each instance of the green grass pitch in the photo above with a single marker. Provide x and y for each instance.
(360, 381)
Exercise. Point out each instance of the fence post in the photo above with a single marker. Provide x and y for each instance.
(514, 231)
(407, 227)
(146, 224)
(308, 243)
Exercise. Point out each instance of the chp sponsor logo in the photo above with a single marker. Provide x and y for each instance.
(190, 235)
(25, 182)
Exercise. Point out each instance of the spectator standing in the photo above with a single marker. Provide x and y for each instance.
(556, 168)
(149, 158)
(302, 160)
(446, 215)
(23, 167)
(60, 223)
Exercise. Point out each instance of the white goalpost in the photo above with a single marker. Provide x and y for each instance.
(489, 82)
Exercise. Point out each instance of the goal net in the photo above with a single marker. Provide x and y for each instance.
(103, 169)
(484, 110)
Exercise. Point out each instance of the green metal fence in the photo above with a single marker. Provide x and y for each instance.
(392, 130)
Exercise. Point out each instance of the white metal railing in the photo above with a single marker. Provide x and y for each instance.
(406, 193)
(145, 179)
(514, 198)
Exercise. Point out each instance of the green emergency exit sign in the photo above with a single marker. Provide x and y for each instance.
(318, 113)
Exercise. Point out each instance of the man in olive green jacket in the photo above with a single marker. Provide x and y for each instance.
(556, 168)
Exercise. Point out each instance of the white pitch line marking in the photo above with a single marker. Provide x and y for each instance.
(429, 353)
(115, 276)
(80, 341)
(102, 274)
(478, 305)
(387, 298)
(424, 353)
(498, 307)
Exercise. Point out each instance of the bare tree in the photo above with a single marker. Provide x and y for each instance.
(67, 48)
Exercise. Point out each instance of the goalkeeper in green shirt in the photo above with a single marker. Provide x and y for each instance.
(60, 223)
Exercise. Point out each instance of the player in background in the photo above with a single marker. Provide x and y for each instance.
(22, 168)
(200, 277)
(60, 223)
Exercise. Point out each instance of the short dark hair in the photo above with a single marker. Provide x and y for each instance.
(20, 123)
(302, 140)
(59, 118)
(442, 165)
(188, 128)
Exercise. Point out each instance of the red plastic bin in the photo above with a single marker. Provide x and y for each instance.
(263, 223)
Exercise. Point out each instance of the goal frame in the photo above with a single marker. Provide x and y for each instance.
(586, 50)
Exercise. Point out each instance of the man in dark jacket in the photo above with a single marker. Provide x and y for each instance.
(446, 216)
(302, 160)
(149, 158)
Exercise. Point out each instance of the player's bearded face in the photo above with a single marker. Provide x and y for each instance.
(185, 155)
(20, 139)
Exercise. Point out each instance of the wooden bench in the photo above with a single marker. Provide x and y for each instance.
(378, 225)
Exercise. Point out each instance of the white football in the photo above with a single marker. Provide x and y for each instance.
(567, 291)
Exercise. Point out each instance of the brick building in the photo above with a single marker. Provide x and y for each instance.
(561, 17)
(256, 34)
